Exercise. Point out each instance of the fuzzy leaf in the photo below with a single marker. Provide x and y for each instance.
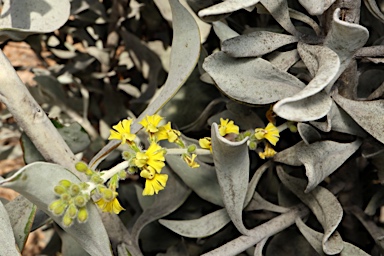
(250, 80)
(167, 201)
(316, 7)
(8, 243)
(374, 9)
(202, 227)
(21, 214)
(366, 114)
(323, 204)
(223, 31)
(232, 169)
(254, 44)
(23, 17)
(314, 238)
(280, 12)
(345, 38)
(202, 180)
(310, 104)
(308, 133)
(323, 158)
(227, 7)
(36, 182)
(338, 120)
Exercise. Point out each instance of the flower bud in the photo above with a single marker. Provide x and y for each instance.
(95, 178)
(82, 215)
(80, 201)
(108, 195)
(126, 155)
(71, 211)
(122, 175)
(57, 207)
(65, 183)
(67, 220)
(252, 145)
(59, 189)
(74, 189)
(132, 170)
(66, 197)
(191, 148)
(81, 166)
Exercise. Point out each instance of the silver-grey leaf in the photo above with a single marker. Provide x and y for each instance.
(256, 44)
(250, 80)
(361, 112)
(199, 228)
(36, 182)
(324, 206)
(232, 169)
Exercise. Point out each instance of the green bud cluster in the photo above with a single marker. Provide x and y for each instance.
(72, 202)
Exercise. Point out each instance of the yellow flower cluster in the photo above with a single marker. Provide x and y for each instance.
(150, 162)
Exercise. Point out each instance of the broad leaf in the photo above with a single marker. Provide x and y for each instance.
(254, 44)
(8, 243)
(232, 169)
(202, 180)
(314, 238)
(365, 113)
(21, 214)
(23, 17)
(167, 201)
(251, 80)
(324, 206)
(36, 182)
(227, 7)
(199, 228)
(315, 156)
(310, 104)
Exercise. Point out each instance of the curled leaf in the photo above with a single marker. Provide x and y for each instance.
(324, 206)
(232, 169)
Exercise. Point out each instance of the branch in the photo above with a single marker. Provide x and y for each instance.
(31, 117)
(257, 234)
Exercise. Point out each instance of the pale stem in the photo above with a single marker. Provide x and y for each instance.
(106, 175)
(31, 118)
(180, 151)
(260, 232)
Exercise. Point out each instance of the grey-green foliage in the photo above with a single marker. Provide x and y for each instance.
(311, 65)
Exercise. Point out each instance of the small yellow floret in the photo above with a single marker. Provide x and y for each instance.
(154, 181)
(122, 132)
(190, 160)
(270, 132)
(206, 143)
(227, 127)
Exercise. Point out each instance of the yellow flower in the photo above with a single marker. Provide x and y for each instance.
(167, 133)
(154, 181)
(150, 123)
(112, 206)
(122, 132)
(153, 157)
(191, 160)
(227, 126)
(271, 133)
(206, 143)
(268, 152)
